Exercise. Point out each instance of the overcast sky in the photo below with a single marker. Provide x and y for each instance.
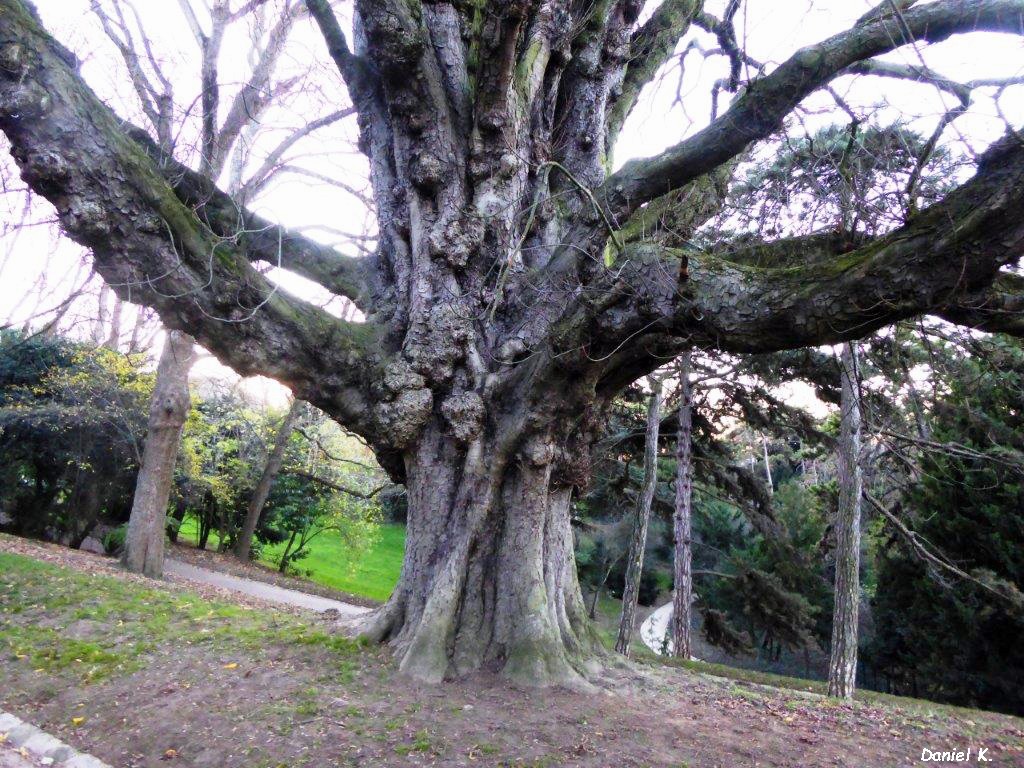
(770, 31)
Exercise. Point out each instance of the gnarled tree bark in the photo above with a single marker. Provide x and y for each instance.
(514, 291)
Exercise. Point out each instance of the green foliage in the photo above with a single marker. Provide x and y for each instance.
(719, 632)
(939, 636)
(113, 541)
(72, 420)
(299, 511)
(840, 179)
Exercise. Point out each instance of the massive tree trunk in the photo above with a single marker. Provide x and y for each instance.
(638, 540)
(518, 284)
(168, 409)
(259, 496)
(682, 557)
(488, 580)
(842, 666)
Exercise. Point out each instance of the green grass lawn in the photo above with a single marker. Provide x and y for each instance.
(330, 563)
(124, 621)
(373, 574)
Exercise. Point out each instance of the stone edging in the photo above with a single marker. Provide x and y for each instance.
(42, 746)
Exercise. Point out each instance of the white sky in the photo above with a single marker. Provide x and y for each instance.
(771, 30)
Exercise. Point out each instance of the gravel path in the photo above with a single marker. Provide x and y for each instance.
(260, 589)
(652, 631)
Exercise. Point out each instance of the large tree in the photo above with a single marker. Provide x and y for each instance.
(518, 284)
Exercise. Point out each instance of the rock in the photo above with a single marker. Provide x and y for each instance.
(93, 545)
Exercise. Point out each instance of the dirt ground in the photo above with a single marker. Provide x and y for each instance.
(283, 704)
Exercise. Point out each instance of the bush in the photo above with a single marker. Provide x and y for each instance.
(113, 541)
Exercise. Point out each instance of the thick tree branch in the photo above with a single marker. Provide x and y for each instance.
(257, 238)
(953, 249)
(358, 75)
(947, 254)
(761, 109)
(650, 47)
(1000, 309)
(147, 244)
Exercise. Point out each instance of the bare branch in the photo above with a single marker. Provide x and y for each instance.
(761, 109)
(147, 244)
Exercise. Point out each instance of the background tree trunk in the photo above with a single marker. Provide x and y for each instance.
(842, 667)
(682, 557)
(638, 542)
(168, 409)
(259, 496)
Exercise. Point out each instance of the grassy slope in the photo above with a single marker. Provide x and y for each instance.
(330, 563)
(151, 669)
(609, 609)
(375, 575)
(141, 616)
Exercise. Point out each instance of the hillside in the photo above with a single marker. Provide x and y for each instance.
(128, 670)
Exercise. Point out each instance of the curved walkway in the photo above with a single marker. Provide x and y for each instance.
(260, 589)
(24, 746)
(653, 630)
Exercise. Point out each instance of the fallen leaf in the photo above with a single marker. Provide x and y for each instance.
(170, 754)
(76, 721)
(232, 665)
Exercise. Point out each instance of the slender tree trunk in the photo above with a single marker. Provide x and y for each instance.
(99, 329)
(592, 611)
(144, 543)
(113, 339)
(638, 542)
(205, 524)
(682, 558)
(916, 406)
(259, 496)
(282, 564)
(178, 516)
(88, 510)
(770, 485)
(842, 668)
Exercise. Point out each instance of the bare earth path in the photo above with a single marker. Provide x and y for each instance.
(259, 589)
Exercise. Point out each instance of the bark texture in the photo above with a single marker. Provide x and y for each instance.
(842, 665)
(682, 558)
(168, 409)
(642, 516)
(518, 285)
(270, 471)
